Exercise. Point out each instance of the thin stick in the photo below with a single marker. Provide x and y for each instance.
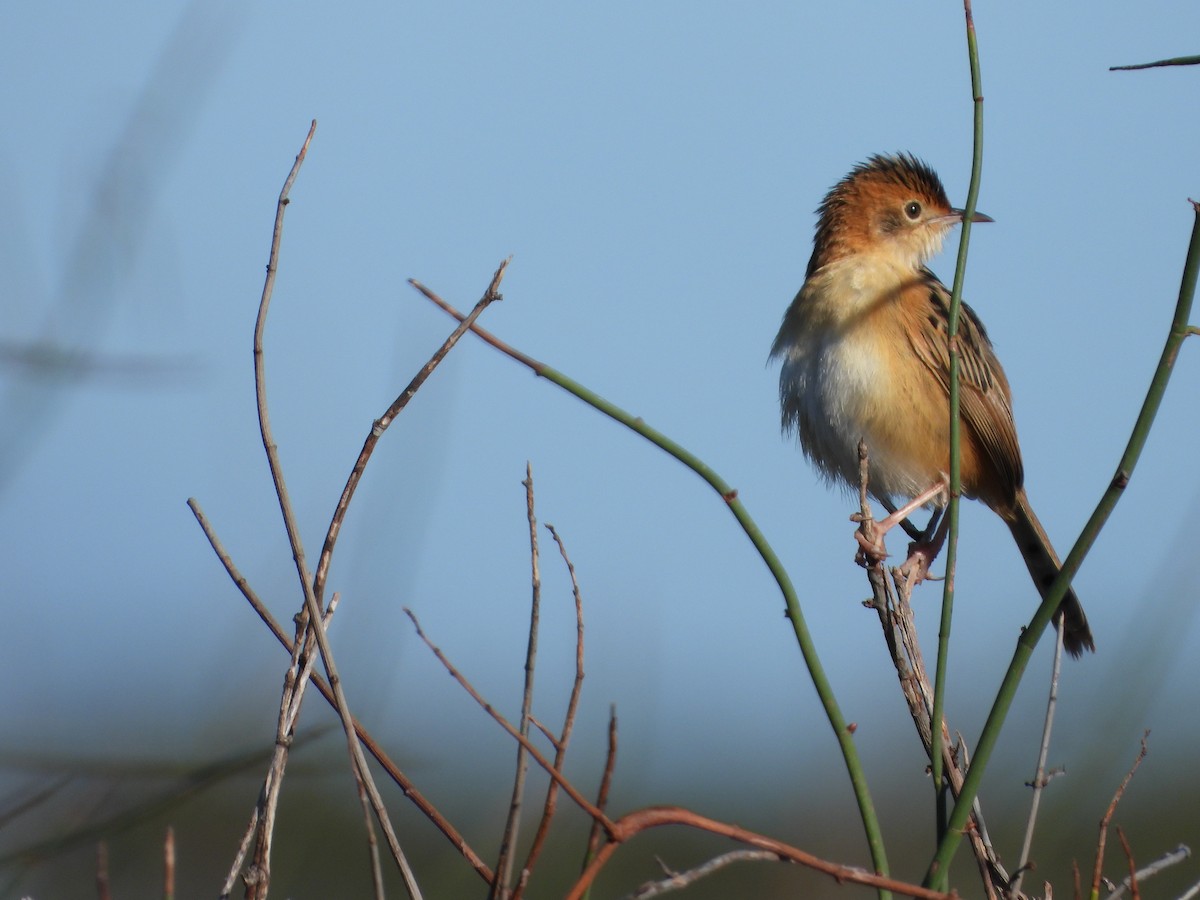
(562, 741)
(892, 603)
(1133, 880)
(677, 881)
(260, 386)
(1040, 779)
(629, 826)
(610, 764)
(571, 791)
(397, 775)
(1108, 814)
(1171, 858)
(262, 819)
(491, 295)
(512, 827)
(169, 864)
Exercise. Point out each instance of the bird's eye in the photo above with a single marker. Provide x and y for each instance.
(912, 209)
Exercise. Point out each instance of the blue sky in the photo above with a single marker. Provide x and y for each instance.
(652, 169)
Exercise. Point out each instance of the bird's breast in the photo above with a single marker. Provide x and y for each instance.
(849, 375)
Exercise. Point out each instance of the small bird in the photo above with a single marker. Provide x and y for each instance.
(865, 357)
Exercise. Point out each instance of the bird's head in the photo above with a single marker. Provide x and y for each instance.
(889, 205)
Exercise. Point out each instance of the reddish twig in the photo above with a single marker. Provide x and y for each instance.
(1168, 859)
(1133, 879)
(1108, 814)
(570, 789)
(169, 864)
(610, 764)
(634, 823)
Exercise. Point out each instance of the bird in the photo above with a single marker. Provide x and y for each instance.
(864, 352)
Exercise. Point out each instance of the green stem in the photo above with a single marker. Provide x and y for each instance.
(960, 270)
(939, 867)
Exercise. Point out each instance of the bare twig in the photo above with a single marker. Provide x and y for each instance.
(512, 826)
(260, 386)
(610, 764)
(561, 742)
(262, 819)
(1108, 814)
(1040, 779)
(629, 826)
(892, 604)
(677, 881)
(570, 789)
(491, 295)
(394, 772)
(169, 864)
(1132, 879)
(1171, 858)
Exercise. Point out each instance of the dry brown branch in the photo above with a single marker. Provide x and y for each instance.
(259, 884)
(261, 827)
(1133, 880)
(1108, 814)
(394, 772)
(595, 812)
(610, 765)
(562, 741)
(486, 336)
(1168, 859)
(891, 603)
(633, 824)
(169, 864)
(312, 588)
(260, 387)
(677, 881)
(545, 730)
(491, 295)
(512, 826)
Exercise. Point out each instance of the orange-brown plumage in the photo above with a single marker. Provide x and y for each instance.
(866, 357)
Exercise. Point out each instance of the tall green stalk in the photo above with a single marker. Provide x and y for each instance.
(936, 876)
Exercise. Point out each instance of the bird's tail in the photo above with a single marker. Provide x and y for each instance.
(1044, 565)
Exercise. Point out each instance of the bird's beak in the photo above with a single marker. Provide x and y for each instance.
(957, 215)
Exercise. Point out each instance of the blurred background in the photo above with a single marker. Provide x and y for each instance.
(653, 170)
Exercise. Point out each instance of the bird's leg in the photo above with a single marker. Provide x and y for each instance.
(874, 549)
(924, 550)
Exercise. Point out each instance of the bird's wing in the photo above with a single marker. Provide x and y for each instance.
(985, 401)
